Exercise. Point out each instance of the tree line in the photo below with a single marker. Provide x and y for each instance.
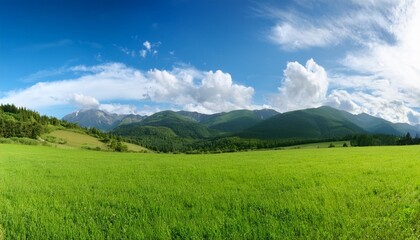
(383, 140)
(21, 122)
(175, 144)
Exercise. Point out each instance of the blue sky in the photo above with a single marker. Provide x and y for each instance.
(211, 56)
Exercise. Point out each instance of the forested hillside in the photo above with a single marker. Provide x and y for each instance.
(317, 123)
(244, 129)
(21, 122)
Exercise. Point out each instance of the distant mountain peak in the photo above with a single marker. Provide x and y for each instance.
(100, 119)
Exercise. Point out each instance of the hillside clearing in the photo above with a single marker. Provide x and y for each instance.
(74, 139)
(77, 140)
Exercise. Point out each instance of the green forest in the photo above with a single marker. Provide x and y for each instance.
(21, 122)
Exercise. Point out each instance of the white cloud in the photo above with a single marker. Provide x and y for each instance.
(44, 74)
(358, 22)
(185, 88)
(84, 102)
(307, 86)
(147, 45)
(341, 99)
(381, 73)
(120, 109)
(303, 87)
(394, 86)
(291, 38)
(359, 102)
(143, 53)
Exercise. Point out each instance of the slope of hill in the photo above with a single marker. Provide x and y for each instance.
(182, 126)
(174, 130)
(195, 116)
(23, 126)
(74, 139)
(325, 122)
(230, 122)
(102, 120)
(238, 120)
(264, 114)
(21, 122)
(317, 123)
(377, 125)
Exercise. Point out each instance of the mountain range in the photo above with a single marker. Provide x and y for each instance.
(315, 123)
(102, 120)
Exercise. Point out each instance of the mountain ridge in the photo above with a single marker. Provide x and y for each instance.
(183, 131)
(102, 120)
(322, 122)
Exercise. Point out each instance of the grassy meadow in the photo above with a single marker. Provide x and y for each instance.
(78, 139)
(326, 193)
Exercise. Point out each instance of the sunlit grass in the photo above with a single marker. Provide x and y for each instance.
(307, 193)
(77, 140)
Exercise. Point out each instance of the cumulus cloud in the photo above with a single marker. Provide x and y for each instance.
(84, 102)
(120, 108)
(381, 73)
(146, 48)
(303, 87)
(341, 99)
(184, 88)
(308, 86)
(149, 48)
(360, 102)
(147, 45)
(390, 69)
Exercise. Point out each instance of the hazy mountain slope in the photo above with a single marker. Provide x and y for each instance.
(130, 118)
(380, 126)
(264, 114)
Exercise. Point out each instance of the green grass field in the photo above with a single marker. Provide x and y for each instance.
(337, 193)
